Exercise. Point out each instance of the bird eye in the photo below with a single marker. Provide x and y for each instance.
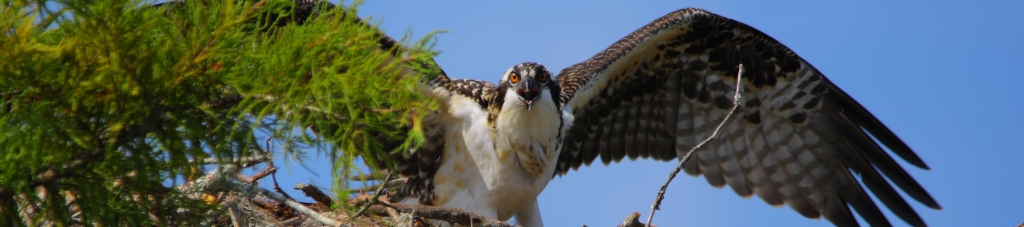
(542, 77)
(514, 78)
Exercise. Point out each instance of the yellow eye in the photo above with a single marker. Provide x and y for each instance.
(514, 78)
(542, 77)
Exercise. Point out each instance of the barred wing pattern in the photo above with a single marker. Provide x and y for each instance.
(797, 139)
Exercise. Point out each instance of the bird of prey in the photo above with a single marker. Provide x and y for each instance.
(796, 140)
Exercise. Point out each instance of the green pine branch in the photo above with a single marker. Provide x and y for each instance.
(105, 104)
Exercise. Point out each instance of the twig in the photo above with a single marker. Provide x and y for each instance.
(312, 191)
(255, 177)
(53, 174)
(457, 216)
(269, 170)
(245, 161)
(217, 181)
(292, 221)
(230, 203)
(395, 215)
(389, 184)
(682, 162)
(374, 199)
(371, 176)
(233, 215)
(290, 203)
(277, 188)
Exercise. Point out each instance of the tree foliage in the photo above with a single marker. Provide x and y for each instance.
(106, 106)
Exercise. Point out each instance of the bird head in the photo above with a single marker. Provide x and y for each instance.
(527, 81)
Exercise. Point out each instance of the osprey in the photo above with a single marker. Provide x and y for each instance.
(797, 138)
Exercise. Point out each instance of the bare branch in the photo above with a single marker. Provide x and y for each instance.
(312, 191)
(372, 176)
(268, 171)
(373, 200)
(216, 181)
(380, 204)
(292, 221)
(255, 177)
(281, 199)
(456, 216)
(682, 162)
(246, 161)
(233, 214)
(390, 184)
(277, 188)
(395, 215)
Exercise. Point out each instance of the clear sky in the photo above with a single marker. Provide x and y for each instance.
(944, 76)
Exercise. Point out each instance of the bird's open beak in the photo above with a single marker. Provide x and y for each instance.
(528, 95)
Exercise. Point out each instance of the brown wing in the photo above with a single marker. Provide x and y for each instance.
(797, 139)
(418, 167)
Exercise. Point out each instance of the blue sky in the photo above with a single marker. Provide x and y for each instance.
(944, 76)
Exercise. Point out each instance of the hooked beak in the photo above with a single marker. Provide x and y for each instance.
(528, 94)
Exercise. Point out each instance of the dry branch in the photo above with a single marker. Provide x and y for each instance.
(389, 185)
(299, 207)
(373, 200)
(312, 191)
(451, 215)
(372, 176)
(225, 178)
(245, 161)
(682, 162)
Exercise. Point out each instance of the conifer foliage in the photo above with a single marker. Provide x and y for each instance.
(108, 107)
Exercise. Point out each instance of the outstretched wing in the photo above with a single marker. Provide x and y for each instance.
(797, 139)
(421, 165)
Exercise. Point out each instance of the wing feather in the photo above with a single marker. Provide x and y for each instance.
(766, 164)
(612, 146)
(797, 140)
(607, 143)
(728, 162)
(708, 163)
(419, 167)
(630, 129)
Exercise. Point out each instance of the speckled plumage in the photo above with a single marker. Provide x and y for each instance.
(797, 139)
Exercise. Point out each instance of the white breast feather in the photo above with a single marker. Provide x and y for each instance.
(482, 170)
